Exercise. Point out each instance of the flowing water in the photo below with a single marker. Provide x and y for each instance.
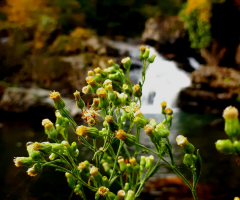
(164, 80)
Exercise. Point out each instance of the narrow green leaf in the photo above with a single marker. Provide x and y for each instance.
(198, 169)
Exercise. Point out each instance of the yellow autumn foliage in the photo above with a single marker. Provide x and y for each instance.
(203, 8)
(23, 11)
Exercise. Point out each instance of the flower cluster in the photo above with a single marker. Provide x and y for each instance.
(117, 102)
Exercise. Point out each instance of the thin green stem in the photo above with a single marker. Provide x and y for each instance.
(62, 157)
(95, 149)
(115, 162)
(137, 140)
(131, 125)
(182, 177)
(112, 152)
(142, 184)
(179, 173)
(126, 151)
(194, 194)
(146, 148)
(83, 194)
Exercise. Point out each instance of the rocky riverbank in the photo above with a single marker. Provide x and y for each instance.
(212, 90)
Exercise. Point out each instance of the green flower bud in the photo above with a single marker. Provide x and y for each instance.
(96, 175)
(91, 132)
(76, 153)
(149, 162)
(154, 135)
(103, 132)
(126, 63)
(163, 105)
(44, 147)
(236, 145)
(49, 129)
(95, 103)
(120, 195)
(60, 118)
(76, 190)
(84, 167)
(137, 91)
(153, 122)
(142, 50)
(143, 161)
(105, 181)
(70, 180)
(122, 99)
(152, 58)
(116, 66)
(116, 76)
(127, 138)
(53, 156)
(161, 129)
(87, 89)
(128, 168)
(224, 146)
(79, 102)
(189, 159)
(90, 73)
(126, 187)
(23, 161)
(121, 163)
(98, 70)
(130, 195)
(91, 81)
(113, 126)
(134, 164)
(168, 111)
(163, 147)
(74, 146)
(113, 96)
(102, 94)
(110, 70)
(146, 53)
(34, 154)
(33, 171)
(106, 83)
(57, 147)
(106, 167)
(140, 120)
(58, 102)
(87, 163)
(187, 146)
(62, 124)
(232, 126)
(126, 89)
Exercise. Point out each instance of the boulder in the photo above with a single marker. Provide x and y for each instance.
(22, 100)
(164, 29)
(212, 90)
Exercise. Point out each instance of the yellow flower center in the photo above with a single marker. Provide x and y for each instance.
(120, 134)
(54, 95)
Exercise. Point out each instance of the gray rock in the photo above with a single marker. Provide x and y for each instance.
(22, 99)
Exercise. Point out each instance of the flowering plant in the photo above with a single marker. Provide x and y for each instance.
(232, 129)
(115, 108)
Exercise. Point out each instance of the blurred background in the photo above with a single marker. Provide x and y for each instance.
(51, 44)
